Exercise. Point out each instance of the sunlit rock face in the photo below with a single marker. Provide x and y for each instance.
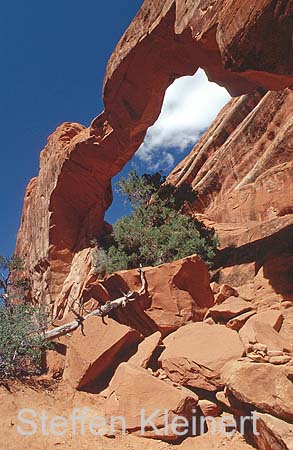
(242, 171)
(64, 206)
(244, 161)
(183, 330)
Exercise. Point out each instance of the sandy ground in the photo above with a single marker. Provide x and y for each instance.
(58, 399)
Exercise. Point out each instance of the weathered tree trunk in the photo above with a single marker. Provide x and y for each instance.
(102, 311)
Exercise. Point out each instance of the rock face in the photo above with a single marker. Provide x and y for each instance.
(260, 172)
(237, 322)
(272, 319)
(177, 293)
(230, 308)
(196, 353)
(146, 350)
(265, 386)
(59, 217)
(273, 433)
(150, 397)
(64, 206)
(242, 171)
(96, 351)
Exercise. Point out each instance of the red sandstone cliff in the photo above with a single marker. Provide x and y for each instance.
(64, 206)
(242, 171)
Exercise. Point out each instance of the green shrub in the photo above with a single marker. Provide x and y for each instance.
(21, 340)
(156, 232)
(22, 325)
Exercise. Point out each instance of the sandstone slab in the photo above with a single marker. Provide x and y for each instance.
(265, 386)
(267, 335)
(95, 352)
(177, 293)
(286, 330)
(232, 307)
(273, 433)
(146, 350)
(225, 291)
(231, 403)
(270, 317)
(196, 353)
(237, 322)
(133, 390)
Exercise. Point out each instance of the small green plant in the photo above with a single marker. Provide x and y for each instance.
(21, 340)
(22, 325)
(156, 231)
(10, 283)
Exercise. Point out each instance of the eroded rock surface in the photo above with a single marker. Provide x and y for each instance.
(265, 386)
(65, 205)
(177, 293)
(135, 394)
(242, 171)
(273, 433)
(196, 353)
(96, 350)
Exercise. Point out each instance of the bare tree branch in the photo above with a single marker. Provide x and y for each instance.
(102, 311)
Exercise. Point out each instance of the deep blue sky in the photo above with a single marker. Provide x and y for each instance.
(53, 57)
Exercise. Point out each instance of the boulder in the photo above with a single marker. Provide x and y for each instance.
(264, 386)
(286, 330)
(177, 293)
(95, 352)
(267, 335)
(134, 393)
(237, 322)
(146, 350)
(225, 291)
(231, 403)
(272, 318)
(232, 307)
(196, 353)
(209, 408)
(273, 433)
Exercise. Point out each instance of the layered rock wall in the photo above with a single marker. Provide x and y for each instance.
(241, 170)
(242, 167)
(64, 206)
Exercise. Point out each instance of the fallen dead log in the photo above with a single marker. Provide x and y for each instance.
(102, 311)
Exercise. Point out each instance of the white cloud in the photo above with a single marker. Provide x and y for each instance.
(190, 105)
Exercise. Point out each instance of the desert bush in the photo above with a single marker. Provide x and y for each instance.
(21, 340)
(99, 260)
(22, 325)
(156, 231)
